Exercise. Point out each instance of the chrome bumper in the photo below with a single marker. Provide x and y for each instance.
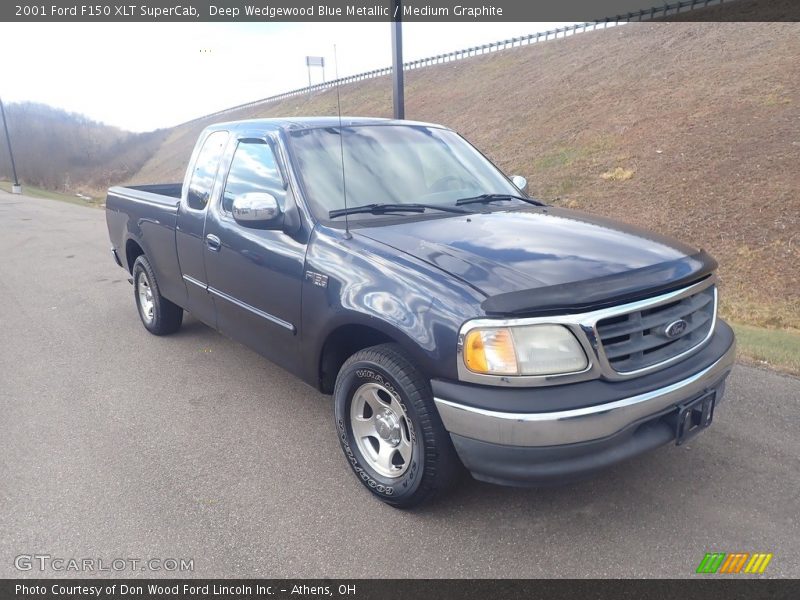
(577, 425)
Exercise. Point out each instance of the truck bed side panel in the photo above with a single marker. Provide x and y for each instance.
(148, 219)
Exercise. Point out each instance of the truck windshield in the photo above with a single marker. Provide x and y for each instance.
(394, 164)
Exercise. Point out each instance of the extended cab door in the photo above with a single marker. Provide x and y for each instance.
(255, 275)
(199, 188)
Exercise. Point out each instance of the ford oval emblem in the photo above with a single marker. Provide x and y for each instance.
(676, 328)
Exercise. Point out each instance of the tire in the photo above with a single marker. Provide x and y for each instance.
(159, 316)
(409, 457)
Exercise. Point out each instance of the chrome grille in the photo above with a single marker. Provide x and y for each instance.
(637, 340)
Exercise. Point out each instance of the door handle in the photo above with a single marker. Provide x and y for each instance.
(213, 242)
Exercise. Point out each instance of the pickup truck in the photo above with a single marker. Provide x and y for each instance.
(457, 322)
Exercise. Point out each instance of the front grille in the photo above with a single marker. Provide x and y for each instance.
(638, 340)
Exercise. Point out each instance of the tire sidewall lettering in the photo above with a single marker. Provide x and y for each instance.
(407, 481)
(354, 464)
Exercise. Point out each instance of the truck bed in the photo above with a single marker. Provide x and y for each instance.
(147, 213)
(168, 194)
(173, 190)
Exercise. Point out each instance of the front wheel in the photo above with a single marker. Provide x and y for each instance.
(389, 429)
(158, 315)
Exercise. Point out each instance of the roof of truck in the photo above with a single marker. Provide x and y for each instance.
(313, 123)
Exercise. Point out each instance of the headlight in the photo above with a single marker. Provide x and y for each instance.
(523, 350)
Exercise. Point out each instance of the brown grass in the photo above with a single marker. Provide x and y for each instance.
(707, 116)
(617, 174)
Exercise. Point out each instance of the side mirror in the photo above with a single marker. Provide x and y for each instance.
(257, 209)
(520, 182)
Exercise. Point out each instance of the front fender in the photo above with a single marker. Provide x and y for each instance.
(368, 283)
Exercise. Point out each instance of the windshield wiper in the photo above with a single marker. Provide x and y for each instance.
(486, 198)
(383, 208)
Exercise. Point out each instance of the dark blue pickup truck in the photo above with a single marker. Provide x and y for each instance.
(456, 321)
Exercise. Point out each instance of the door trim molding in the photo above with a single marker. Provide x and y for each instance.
(197, 282)
(253, 309)
(240, 304)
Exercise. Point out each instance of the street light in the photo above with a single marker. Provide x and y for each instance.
(398, 91)
(16, 188)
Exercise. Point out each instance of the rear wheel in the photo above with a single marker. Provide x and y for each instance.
(389, 429)
(158, 315)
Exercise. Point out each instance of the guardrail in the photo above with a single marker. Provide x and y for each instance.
(533, 38)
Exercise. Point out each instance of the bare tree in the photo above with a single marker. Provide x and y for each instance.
(64, 151)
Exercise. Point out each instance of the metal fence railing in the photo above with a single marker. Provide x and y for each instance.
(533, 38)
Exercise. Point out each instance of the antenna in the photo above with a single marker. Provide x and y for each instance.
(347, 235)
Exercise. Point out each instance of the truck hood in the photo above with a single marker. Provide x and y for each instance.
(544, 259)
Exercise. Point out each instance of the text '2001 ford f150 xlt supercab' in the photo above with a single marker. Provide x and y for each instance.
(456, 321)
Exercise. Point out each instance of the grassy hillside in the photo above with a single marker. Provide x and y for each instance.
(691, 129)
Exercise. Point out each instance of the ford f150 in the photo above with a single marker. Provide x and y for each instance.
(457, 321)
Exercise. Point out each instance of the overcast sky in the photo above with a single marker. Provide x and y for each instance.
(142, 76)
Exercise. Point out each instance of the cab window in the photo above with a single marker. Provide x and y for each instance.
(254, 168)
(205, 170)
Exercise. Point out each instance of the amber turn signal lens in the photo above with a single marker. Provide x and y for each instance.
(490, 351)
(474, 354)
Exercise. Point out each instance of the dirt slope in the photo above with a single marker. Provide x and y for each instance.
(691, 129)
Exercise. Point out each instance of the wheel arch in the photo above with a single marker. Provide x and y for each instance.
(133, 250)
(345, 340)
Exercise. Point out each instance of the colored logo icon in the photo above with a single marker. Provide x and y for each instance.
(736, 562)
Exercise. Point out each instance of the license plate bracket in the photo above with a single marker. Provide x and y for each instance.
(694, 416)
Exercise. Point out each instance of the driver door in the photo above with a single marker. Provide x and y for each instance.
(255, 275)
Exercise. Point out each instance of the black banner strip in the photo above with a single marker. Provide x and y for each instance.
(702, 587)
(602, 11)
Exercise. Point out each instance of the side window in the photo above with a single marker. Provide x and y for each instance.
(254, 168)
(205, 170)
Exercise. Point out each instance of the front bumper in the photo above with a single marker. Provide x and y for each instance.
(582, 427)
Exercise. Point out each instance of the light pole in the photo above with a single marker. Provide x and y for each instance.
(16, 188)
(397, 61)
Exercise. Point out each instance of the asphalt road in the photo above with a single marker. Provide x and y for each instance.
(115, 443)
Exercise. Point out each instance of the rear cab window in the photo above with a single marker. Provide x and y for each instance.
(205, 170)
